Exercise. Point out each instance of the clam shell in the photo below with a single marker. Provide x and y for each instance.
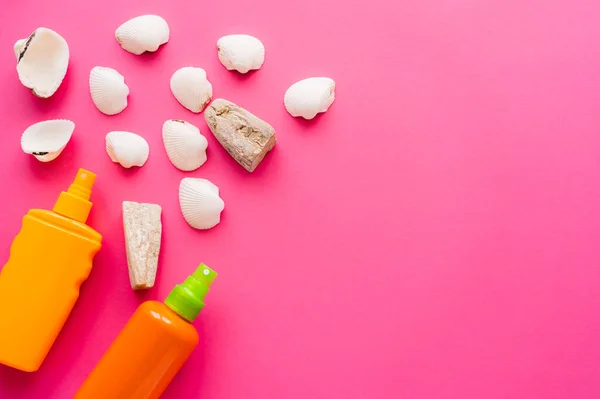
(143, 33)
(47, 139)
(127, 149)
(191, 88)
(42, 61)
(200, 203)
(308, 97)
(185, 146)
(241, 52)
(108, 89)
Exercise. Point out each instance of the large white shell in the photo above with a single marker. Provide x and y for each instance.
(47, 139)
(143, 33)
(185, 146)
(108, 89)
(126, 148)
(191, 88)
(308, 97)
(200, 203)
(241, 52)
(42, 61)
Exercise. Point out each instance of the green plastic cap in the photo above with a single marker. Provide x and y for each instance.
(187, 299)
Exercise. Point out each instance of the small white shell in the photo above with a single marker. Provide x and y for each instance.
(42, 61)
(191, 88)
(108, 89)
(308, 97)
(185, 146)
(143, 33)
(200, 203)
(126, 148)
(241, 52)
(46, 140)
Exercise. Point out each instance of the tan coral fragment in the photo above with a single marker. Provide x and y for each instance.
(143, 231)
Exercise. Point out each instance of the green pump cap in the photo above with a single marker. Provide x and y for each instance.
(187, 299)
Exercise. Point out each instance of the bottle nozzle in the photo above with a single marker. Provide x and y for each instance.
(75, 203)
(82, 185)
(187, 299)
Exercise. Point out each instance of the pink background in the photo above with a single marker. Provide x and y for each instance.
(434, 235)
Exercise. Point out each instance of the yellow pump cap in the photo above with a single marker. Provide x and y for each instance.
(75, 203)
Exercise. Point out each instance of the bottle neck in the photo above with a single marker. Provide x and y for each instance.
(73, 207)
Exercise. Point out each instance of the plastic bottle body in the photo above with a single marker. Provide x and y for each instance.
(144, 358)
(49, 260)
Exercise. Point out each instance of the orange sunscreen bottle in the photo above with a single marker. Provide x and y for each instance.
(49, 259)
(152, 346)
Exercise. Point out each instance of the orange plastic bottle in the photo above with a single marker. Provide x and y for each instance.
(153, 345)
(49, 259)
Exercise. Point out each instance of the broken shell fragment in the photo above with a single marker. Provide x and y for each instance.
(308, 97)
(127, 149)
(143, 229)
(47, 139)
(241, 52)
(191, 88)
(246, 137)
(185, 146)
(108, 89)
(42, 61)
(143, 33)
(200, 203)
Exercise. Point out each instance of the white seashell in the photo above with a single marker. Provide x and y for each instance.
(42, 61)
(191, 88)
(108, 89)
(308, 97)
(126, 148)
(200, 203)
(241, 52)
(46, 140)
(185, 146)
(143, 33)
(18, 47)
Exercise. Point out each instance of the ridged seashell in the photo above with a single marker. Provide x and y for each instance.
(200, 203)
(143, 33)
(46, 140)
(191, 88)
(308, 97)
(241, 52)
(185, 146)
(108, 89)
(127, 149)
(42, 61)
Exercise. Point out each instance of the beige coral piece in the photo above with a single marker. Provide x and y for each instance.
(246, 137)
(143, 231)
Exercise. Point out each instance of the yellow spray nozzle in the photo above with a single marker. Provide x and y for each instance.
(82, 185)
(75, 203)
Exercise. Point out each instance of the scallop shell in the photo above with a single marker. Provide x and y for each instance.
(46, 140)
(308, 97)
(108, 89)
(185, 146)
(143, 33)
(126, 148)
(191, 88)
(241, 52)
(200, 203)
(42, 61)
